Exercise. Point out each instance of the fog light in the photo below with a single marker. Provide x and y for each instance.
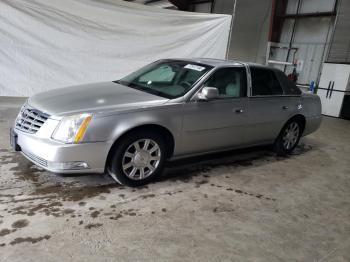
(67, 165)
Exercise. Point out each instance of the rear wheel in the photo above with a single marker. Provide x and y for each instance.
(289, 137)
(138, 158)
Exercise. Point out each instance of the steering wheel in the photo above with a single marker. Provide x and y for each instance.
(185, 84)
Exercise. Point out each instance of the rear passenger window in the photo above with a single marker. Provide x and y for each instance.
(264, 83)
(288, 86)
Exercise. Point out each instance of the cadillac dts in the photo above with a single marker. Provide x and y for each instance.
(170, 109)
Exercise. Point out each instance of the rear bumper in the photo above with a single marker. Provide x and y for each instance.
(63, 158)
(312, 124)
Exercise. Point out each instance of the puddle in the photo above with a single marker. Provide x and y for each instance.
(31, 240)
(24, 170)
(90, 226)
(260, 196)
(94, 214)
(71, 192)
(301, 149)
(5, 231)
(20, 223)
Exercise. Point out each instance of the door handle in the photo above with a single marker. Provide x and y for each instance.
(329, 85)
(285, 107)
(331, 91)
(239, 111)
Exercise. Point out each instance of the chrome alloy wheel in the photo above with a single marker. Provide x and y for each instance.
(291, 135)
(141, 159)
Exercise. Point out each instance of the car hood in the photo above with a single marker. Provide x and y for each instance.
(93, 98)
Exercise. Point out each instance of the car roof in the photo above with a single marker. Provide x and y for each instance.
(222, 62)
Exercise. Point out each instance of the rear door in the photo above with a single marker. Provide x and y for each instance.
(269, 106)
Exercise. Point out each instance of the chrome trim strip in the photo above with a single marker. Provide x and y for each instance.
(35, 159)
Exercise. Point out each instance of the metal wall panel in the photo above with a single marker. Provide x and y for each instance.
(339, 51)
(250, 28)
(223, 7)
(311, 40)
(310, 6)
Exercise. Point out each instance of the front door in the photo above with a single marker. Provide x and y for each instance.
(219, 123)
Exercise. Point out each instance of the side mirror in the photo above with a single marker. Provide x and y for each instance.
(208, 93)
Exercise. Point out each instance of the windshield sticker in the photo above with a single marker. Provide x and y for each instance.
(195, 67)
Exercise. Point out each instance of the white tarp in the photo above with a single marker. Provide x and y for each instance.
(47, 44)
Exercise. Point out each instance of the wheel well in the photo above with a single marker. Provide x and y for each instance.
(301, 119)
(164, 132)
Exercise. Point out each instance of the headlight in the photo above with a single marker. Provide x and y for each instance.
(71, 129)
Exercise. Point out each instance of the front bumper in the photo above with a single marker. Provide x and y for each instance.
(63, 158)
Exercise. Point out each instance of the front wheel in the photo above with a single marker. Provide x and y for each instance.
(289, 138)
(137, 159)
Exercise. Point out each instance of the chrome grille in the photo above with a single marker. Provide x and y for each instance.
(30, 120)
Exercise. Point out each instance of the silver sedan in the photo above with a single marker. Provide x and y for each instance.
(169, 109)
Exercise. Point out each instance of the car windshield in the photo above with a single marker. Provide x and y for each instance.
(166, 78)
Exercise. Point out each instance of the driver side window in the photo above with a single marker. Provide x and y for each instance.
(231, 82)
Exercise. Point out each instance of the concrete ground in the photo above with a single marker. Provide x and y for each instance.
(245, 205)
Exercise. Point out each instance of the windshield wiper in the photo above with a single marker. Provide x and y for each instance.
(147, 90)
(121, 82)
(142, 88)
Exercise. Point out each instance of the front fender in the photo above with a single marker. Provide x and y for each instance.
(110, 128)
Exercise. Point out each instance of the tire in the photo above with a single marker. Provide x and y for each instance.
(134, 166)
(288, 138)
